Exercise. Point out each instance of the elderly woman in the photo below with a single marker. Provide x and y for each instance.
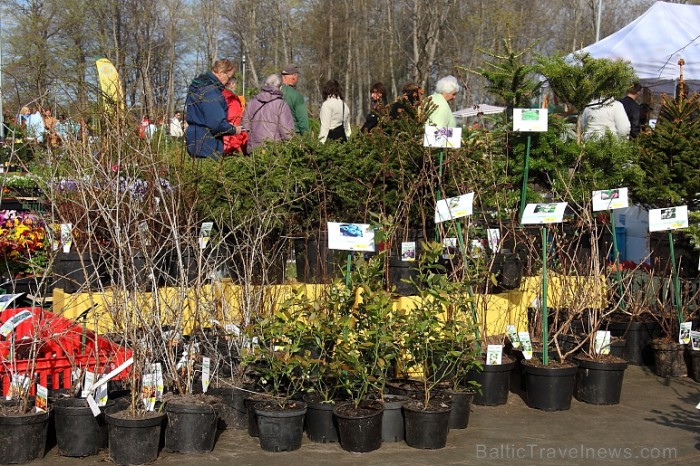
(267, 116)
(445, 91)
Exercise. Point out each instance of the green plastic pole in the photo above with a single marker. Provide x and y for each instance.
(616, 256)
(545, 313)
(526, 169)
(438, 193)
(676, 279)
(347, 270)
(472, 306)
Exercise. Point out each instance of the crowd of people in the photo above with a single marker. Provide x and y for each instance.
(35, 125)
(219, 122)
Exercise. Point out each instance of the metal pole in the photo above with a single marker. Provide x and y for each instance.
(597, 21)
(545, 312)
(243, 76)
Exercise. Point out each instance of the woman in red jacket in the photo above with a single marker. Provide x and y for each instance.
(234, 143)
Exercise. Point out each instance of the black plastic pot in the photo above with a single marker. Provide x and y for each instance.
(134, 441)
(319, 423)
(393, 429)
(360, 431)
(494, 380)
(427, 428)
(694, 364)
(23, 437)
(638, 336)
(551, 387)
(280, 429)
(191, 426)
(76, 271)
(669, 359)
(461, 403)
(249, 402)
(599, 382)
(315, 262)
(232, 413)
(78, 431)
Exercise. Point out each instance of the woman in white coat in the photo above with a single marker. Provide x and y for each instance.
(334, 115)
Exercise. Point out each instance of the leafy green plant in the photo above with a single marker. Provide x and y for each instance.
(439, 334)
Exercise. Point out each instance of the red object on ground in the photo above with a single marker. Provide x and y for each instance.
(61, 345)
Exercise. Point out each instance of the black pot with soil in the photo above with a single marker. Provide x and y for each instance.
(22, 434)
(461, 402)
(192, 423)
(360, 427)
(599, 381)
(280, 426)
(638, 336)
(320, 424)
(550, 387)
(134, 440)
(232, 413)
(393, 426)
(494, 380)
(78, 431)
(427, 426)
(669, 359)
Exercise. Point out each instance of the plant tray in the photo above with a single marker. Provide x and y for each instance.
(61, 346)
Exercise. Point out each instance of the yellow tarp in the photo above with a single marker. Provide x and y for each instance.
(227, 302)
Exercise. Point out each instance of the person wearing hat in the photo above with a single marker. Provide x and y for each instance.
(290, 76)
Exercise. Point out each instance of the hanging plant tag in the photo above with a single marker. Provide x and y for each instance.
(13, 321)
(695, 340)
(408, 251)
(601, 344)
(66, 236)
(526, 344)
(205, 234)
(87, 384)
(513, 335)
(41, 398)
(19, 384)
(157, 371)
(148, 391)
(206, 367)
(494, 354)
(684, 334)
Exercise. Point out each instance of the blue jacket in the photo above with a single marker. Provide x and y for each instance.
(205, 111)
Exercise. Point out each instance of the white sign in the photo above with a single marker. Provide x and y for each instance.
(205, 234)
(609, 199)
(206, 369)
(436, 136)
(526, 344)
(601, 342)
(530, 119)
(454, 207)
(669, 218)
(537, 214)
(408, 251)
(350, 236)
(6, 300)
(684, 334)
(13, 322)
(494, 354)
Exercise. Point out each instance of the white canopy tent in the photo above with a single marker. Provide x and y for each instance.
(653, 44)
(478, 109)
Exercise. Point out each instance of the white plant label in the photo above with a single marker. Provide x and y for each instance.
(14, 321)
(526, 344)
(610, 199)
(494, 355)
(454, 207)
(540, 214)
(87, 384)
(148, 391)
(205, 234)
(601, 344)
(93, 405)
(206, 368)
(695, 340)
(442, 137)
(513, 335)
(350, 236)
(684, 334)
(66, 236)
(41, 399)
(669, 218)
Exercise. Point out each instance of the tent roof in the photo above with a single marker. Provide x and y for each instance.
(653, 44)
(476, 109)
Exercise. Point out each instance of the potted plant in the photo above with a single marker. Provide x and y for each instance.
(278, 358)
(367, 348)
(439, 337)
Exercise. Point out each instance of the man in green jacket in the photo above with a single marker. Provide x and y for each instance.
(290, 76)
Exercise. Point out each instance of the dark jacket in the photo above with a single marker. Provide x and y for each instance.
(632, 110)
(206, 112)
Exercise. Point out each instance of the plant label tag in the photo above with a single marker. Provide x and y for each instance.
(148, 391)
(87, 384)
(695, 340)
(408, 251)
(697, 406)
(13, 321)
(601, 344)
(513, 335)
(102, 395)
(232, 329)
(684, 334)
(205, 234)
(454, 207)
(526, 344)
(19, 384)
(494, 239)
(206, 367)
(66, 236)
(494, 354)
(41, 398)
(609, 199)
(93, 405)
(157, 371)
(442, 137)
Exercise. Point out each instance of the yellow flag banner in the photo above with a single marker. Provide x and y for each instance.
(109, 84)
